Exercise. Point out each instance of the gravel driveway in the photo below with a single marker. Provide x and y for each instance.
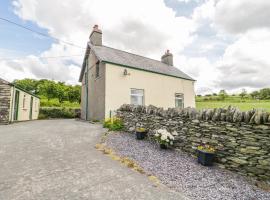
(182, 173)
(56, 159)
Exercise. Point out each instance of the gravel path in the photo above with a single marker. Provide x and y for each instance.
(181, 172)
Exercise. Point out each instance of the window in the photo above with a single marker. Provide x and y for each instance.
(97, 69)
(179, 100)
(137, 97)
(24, 101)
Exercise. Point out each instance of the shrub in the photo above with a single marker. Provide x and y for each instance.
(66, 113)
(113, 124)
(55, 103)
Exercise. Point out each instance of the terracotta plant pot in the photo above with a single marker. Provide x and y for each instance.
(205, 158)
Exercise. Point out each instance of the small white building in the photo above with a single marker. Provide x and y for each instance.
(16, 104)
(112, 77)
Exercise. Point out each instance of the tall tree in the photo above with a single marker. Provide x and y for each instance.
(223, 94)
(27, 84)
(243, 93)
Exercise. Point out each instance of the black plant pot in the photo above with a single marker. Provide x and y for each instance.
(205, 158)
(140, 135)
(163, 146)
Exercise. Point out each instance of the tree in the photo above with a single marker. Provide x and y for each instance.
(264, 93)
(255, 95)
(51, 89)
(62, 92)
(74, 93)
(223, 94)
(48, 89)
(243, 93)
(27, 84)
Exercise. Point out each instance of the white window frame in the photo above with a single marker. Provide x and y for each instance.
(137, 95)
(178, 96)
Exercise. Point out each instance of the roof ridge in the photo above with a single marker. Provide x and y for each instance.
(137, 55)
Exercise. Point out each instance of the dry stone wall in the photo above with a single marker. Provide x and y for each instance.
(4, 102)
(242, 139)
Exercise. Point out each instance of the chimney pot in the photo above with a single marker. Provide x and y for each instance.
(96, 36)
(167, 58)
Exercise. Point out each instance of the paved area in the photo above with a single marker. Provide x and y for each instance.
(56, 159)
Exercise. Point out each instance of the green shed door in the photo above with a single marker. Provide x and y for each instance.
(16, 105)
(31, 109)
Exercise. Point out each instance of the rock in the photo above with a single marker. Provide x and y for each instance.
(237, 116)
(196, 121)
(238, 160)
(265, 117)
(252, 151)
(263, 127)
(253, 148)
(264, 162)
(131, 129)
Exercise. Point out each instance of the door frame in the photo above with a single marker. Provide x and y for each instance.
(31, 108)
(16, 105)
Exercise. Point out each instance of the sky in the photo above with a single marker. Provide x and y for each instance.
(223, 44)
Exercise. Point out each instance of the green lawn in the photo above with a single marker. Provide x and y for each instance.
(244, 105)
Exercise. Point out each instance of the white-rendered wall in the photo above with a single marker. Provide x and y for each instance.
(159, 90)
(24, 111)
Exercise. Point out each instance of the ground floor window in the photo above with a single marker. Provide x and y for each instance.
(137, 97)
(179, 100)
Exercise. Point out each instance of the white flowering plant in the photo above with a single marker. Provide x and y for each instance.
(162, 136)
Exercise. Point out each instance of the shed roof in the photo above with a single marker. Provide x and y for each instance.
(14, 85)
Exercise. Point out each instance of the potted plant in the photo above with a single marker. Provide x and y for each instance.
(164, 138)
(206, 155)
(141, 133)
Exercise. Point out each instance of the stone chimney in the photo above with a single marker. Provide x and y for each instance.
(167, 58)
(96, 36)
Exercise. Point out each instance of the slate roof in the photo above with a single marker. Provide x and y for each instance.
(12, 84)
(4, 81)
(116, 56)
(111, 55)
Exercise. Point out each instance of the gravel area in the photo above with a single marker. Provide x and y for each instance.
(181, 172)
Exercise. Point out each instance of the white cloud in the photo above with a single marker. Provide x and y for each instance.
(242, 15)
(201, 69)
(223, 44)
(246, 62)
(148, 30)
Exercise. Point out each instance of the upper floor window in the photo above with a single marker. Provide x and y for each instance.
(179, 100)
(137, 96)
(97, 69)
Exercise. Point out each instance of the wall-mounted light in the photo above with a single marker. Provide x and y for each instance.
(126, 72)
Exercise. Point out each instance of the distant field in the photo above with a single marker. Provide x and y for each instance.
(246, 104)
(242, 106)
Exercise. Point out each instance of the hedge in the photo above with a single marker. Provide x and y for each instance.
(61, 112)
